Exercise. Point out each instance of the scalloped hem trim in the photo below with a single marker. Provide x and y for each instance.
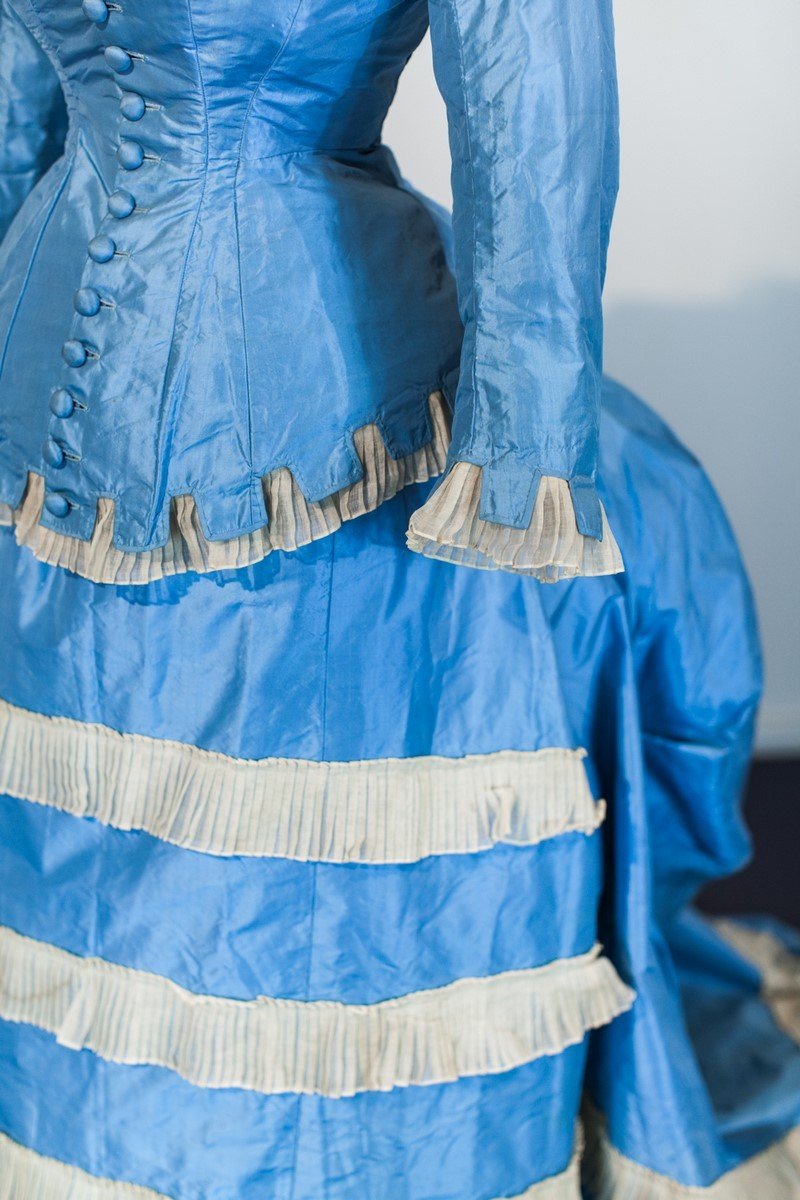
(449, 527)
(293, 520)
(474, 1026)
(388, 810)
(774, 1174)
(26, 1175)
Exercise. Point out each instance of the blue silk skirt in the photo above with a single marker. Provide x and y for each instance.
(353, 874)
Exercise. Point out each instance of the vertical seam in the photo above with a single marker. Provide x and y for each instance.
(471, 160)
(245, 119)
(267, 72)
(315, 868)
(33, 254)
(248, 401)
(160, 439)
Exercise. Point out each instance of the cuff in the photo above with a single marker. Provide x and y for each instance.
(449, 527)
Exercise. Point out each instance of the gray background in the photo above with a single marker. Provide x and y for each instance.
(703, 291)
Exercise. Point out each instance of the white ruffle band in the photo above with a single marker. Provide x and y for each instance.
(293, 520)
(371, 811)
(478, 1026)
(608, 1175)
(449, 527)
(772, 1175)
(25, 1175)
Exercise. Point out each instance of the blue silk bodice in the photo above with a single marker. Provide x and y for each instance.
(219, 271)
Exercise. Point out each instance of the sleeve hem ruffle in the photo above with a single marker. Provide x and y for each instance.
(449, 527)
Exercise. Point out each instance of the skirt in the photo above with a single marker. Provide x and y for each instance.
(353, 874)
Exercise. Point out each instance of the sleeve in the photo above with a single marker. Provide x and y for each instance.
(531, 97)
(33, 119)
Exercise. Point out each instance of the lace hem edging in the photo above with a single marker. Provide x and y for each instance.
(449, 527)
(293, 520)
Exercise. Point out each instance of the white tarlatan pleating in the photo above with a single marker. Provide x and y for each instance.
(449, 527)
(387, 810)
(25, 1175)
(474, 1026)
(774, 1174)
(293, 520)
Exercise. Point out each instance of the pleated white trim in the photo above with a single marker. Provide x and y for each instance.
(371, 811)
(449, 527)
(779, 969)
(25, 1175)
(774, 1174)
(293, 520)
(471, 1027)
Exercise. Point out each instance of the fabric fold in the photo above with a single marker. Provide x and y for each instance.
(477, 1026)
(294, 521)
(779, 969)
(370, 811)
(449, 527)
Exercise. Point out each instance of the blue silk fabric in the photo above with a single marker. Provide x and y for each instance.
(353, 648)
(276, 285)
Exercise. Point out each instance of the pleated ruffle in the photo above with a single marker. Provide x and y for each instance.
(449, 527)
(25, 1175)
(372, 811)
(774, 1174)
(477, 1026)
(294, 521)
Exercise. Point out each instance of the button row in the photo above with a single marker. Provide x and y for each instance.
(87, 301)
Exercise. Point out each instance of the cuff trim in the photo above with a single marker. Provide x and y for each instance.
(474, 1026)
(449, 527)
(293, 520)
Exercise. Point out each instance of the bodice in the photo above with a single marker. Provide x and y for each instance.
(224, 312)
(208, 83)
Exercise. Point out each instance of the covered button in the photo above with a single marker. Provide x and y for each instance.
(118, 59)
(95, 10)
(130, 155)
(56, 504)
(86, 301)
(62, 403)
(132, 106)
(52, 453)
(121, 204)
(102, 248)
(74, 353)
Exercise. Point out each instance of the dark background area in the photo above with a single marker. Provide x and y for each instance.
(771, 881)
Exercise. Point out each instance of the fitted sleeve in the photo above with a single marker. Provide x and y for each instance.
(530, 90)
(33, 117)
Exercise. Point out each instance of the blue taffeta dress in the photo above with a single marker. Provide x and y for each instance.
(329, 868)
